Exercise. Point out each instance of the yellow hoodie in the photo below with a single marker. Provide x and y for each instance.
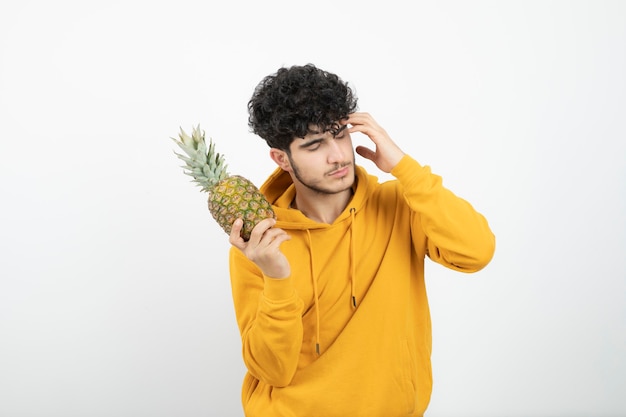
(348, 334)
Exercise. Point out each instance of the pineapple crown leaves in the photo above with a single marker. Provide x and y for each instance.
(201, 162)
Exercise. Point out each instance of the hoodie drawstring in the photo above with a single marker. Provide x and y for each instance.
(352, 259)
(315, 295)
(314, 276)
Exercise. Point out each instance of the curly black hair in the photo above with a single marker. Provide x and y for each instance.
(285, 104)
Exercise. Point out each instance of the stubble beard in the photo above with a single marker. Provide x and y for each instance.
(320, 190)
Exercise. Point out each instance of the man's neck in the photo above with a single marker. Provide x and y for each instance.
(323, 208)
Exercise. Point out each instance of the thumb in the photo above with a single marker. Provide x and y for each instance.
(366, 152)
(235, 238)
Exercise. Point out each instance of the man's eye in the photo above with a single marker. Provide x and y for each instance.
(314, 146)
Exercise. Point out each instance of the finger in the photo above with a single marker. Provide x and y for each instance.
(374, 134)
(235, 238)
(276, 240)
(359, 115)
(259, 230)
(366, 152)
(269, 236)
(350, 119)
(361, 118)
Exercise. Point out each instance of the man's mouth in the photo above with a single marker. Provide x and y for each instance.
(341, 171)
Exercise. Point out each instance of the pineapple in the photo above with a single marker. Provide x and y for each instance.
(230, 196)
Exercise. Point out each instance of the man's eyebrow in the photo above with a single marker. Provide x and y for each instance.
(311, 142)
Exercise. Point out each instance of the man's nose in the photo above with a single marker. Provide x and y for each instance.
(336, 153)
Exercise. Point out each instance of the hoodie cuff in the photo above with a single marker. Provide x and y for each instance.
(407, 167)
(278, 289)
(412, 175)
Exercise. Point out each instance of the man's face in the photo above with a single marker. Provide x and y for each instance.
(322, 161)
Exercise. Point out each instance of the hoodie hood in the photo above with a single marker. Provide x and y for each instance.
(280, 192)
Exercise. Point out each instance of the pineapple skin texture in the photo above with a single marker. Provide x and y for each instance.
(230, 196)
(237, 197)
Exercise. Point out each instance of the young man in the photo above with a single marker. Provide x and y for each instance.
(330, 298)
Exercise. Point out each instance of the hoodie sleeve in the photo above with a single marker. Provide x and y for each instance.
(457, 236)
(269, 316)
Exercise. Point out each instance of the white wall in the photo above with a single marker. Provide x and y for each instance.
(114, 288)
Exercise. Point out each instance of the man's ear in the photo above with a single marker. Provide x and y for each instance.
(281, 158)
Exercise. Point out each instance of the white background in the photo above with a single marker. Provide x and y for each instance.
(114, 289)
